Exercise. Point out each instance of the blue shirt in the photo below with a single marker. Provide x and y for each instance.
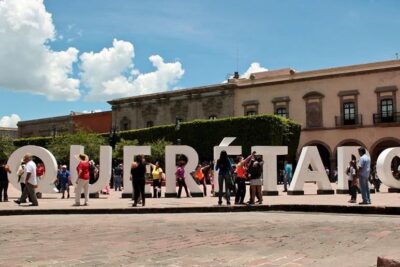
(364, 164)
(63, 176)
(288, 170)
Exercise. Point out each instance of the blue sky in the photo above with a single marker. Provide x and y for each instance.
(112, 49)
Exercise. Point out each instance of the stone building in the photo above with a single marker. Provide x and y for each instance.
(208, 102)
(96, 122)
(8, 132)
(350, 105)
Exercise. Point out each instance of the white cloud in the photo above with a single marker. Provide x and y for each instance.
(254, 67)
(26, 61)
(110, 73)
(10, 121)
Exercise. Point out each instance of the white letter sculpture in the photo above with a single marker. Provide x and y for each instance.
(230, 150)
(104, 172)
(384, 170)
(269, 154)
(130, 152)
(46, 184)
(170, 166)
(310, 156)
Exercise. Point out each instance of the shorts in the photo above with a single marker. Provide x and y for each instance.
(64, 186)
(258, 181)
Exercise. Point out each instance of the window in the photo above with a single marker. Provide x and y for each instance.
(281, 112)
(250, 107)
(125, 124)
(212, 117)
(313, 109)
(387, 110)
(349, 113)
(149, 124)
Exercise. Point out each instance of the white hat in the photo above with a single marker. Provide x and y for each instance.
(64, 166)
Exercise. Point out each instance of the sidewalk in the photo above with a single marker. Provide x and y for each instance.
(382, 203)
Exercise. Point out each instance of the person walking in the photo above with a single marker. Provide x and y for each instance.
(364, 165)
(156, 175)
(4, 171)
(224, 176)
(64, 180)
(180, 178)
(30, 182)
(138, 171)
(82, 182)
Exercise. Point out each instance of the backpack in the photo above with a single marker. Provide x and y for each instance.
(255, 171)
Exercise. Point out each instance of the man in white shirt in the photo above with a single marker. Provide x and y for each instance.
(30, 182)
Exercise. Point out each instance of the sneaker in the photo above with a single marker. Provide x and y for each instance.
(260, 203)
(134, 204)
(363, 203)
(76, 204)
(219, 203)
(33, 205)
(352, 201)
(17, 201)
(86, 204)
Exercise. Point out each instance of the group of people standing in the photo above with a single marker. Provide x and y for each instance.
(358, 177)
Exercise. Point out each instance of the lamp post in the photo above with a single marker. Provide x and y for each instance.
(177, 128)
(112, 138)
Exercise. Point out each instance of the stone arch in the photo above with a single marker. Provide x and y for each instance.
(381, 145)
(348, 142)
(324, 151)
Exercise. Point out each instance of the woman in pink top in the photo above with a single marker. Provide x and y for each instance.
(83, 179)
(180, 178)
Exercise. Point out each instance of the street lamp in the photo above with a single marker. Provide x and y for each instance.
(112, 138)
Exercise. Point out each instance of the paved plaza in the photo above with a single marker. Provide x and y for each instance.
(216, 239)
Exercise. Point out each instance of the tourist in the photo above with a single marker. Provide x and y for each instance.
(138, 171)
(241, 177)
(224, 176)
(180, 178)
(30, 182)
(93, 171)
(200, 177)
(64, 180)
(287, 178)
(364, 164)
(4, 171)
(156, 175)
(117, 174)
(83, 179)
(353, 180)
(255, 173)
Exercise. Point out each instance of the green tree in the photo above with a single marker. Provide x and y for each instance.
(118, 153)
(60, 145)
(158, 149)
(6, 147)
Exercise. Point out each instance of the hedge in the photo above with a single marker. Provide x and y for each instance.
(203, 135)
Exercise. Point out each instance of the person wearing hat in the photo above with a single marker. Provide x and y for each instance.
(64, 180)
(83, 179)
(30, 182)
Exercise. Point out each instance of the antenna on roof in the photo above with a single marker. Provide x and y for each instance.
(237, 60)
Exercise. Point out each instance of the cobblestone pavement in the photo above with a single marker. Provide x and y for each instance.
(218, 239)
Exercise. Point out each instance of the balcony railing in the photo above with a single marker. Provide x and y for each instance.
(348, 120)
(386, 117)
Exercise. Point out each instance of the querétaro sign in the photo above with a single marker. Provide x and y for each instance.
(309, 157)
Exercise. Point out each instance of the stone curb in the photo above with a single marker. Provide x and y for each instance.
(378, 210)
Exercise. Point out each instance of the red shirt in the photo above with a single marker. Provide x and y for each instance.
(83, 166)
(40, 171)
